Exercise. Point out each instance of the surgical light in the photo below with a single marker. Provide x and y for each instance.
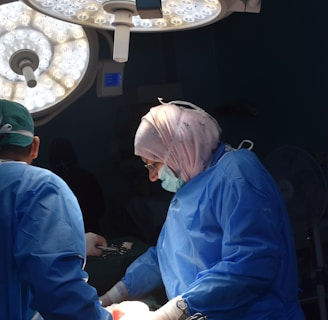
(43, 60)
(124, 16)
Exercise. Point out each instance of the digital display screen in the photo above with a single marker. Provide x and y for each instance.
(112, 79)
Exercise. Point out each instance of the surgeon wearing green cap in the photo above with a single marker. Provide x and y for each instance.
(42, 239)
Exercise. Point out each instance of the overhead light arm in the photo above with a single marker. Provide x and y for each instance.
(123, 12)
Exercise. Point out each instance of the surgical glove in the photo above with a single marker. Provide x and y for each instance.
(172, 310)
(116, 294)
(130, 310)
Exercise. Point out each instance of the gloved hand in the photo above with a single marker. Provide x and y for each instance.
(92, 240)
(116, 294)
(170, 310)
(129, 310)
(131, 316)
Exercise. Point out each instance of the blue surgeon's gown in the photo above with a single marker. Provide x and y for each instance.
(226, 245)
(42, 245)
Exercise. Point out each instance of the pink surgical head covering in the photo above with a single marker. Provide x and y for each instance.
(182, 138)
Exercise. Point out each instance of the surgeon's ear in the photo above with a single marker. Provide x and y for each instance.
(35, 148)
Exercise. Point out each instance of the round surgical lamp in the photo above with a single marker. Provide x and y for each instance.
(45, 63)
(124, 16)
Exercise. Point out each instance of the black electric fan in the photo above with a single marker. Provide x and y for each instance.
(303, 185)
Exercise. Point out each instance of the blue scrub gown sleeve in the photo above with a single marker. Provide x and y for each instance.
(249, 254)
(143, 275)
(50, 252)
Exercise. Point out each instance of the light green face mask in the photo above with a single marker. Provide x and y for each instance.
(169, 181)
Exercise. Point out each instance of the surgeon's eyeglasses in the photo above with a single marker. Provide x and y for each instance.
(151, 166)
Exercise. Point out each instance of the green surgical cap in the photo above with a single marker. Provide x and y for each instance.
(16, 124)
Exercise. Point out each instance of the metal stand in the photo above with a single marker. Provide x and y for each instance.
(320, 268)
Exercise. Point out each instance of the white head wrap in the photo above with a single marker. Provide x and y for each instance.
(182, 138)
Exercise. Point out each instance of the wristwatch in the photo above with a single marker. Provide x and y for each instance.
(183, 306)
